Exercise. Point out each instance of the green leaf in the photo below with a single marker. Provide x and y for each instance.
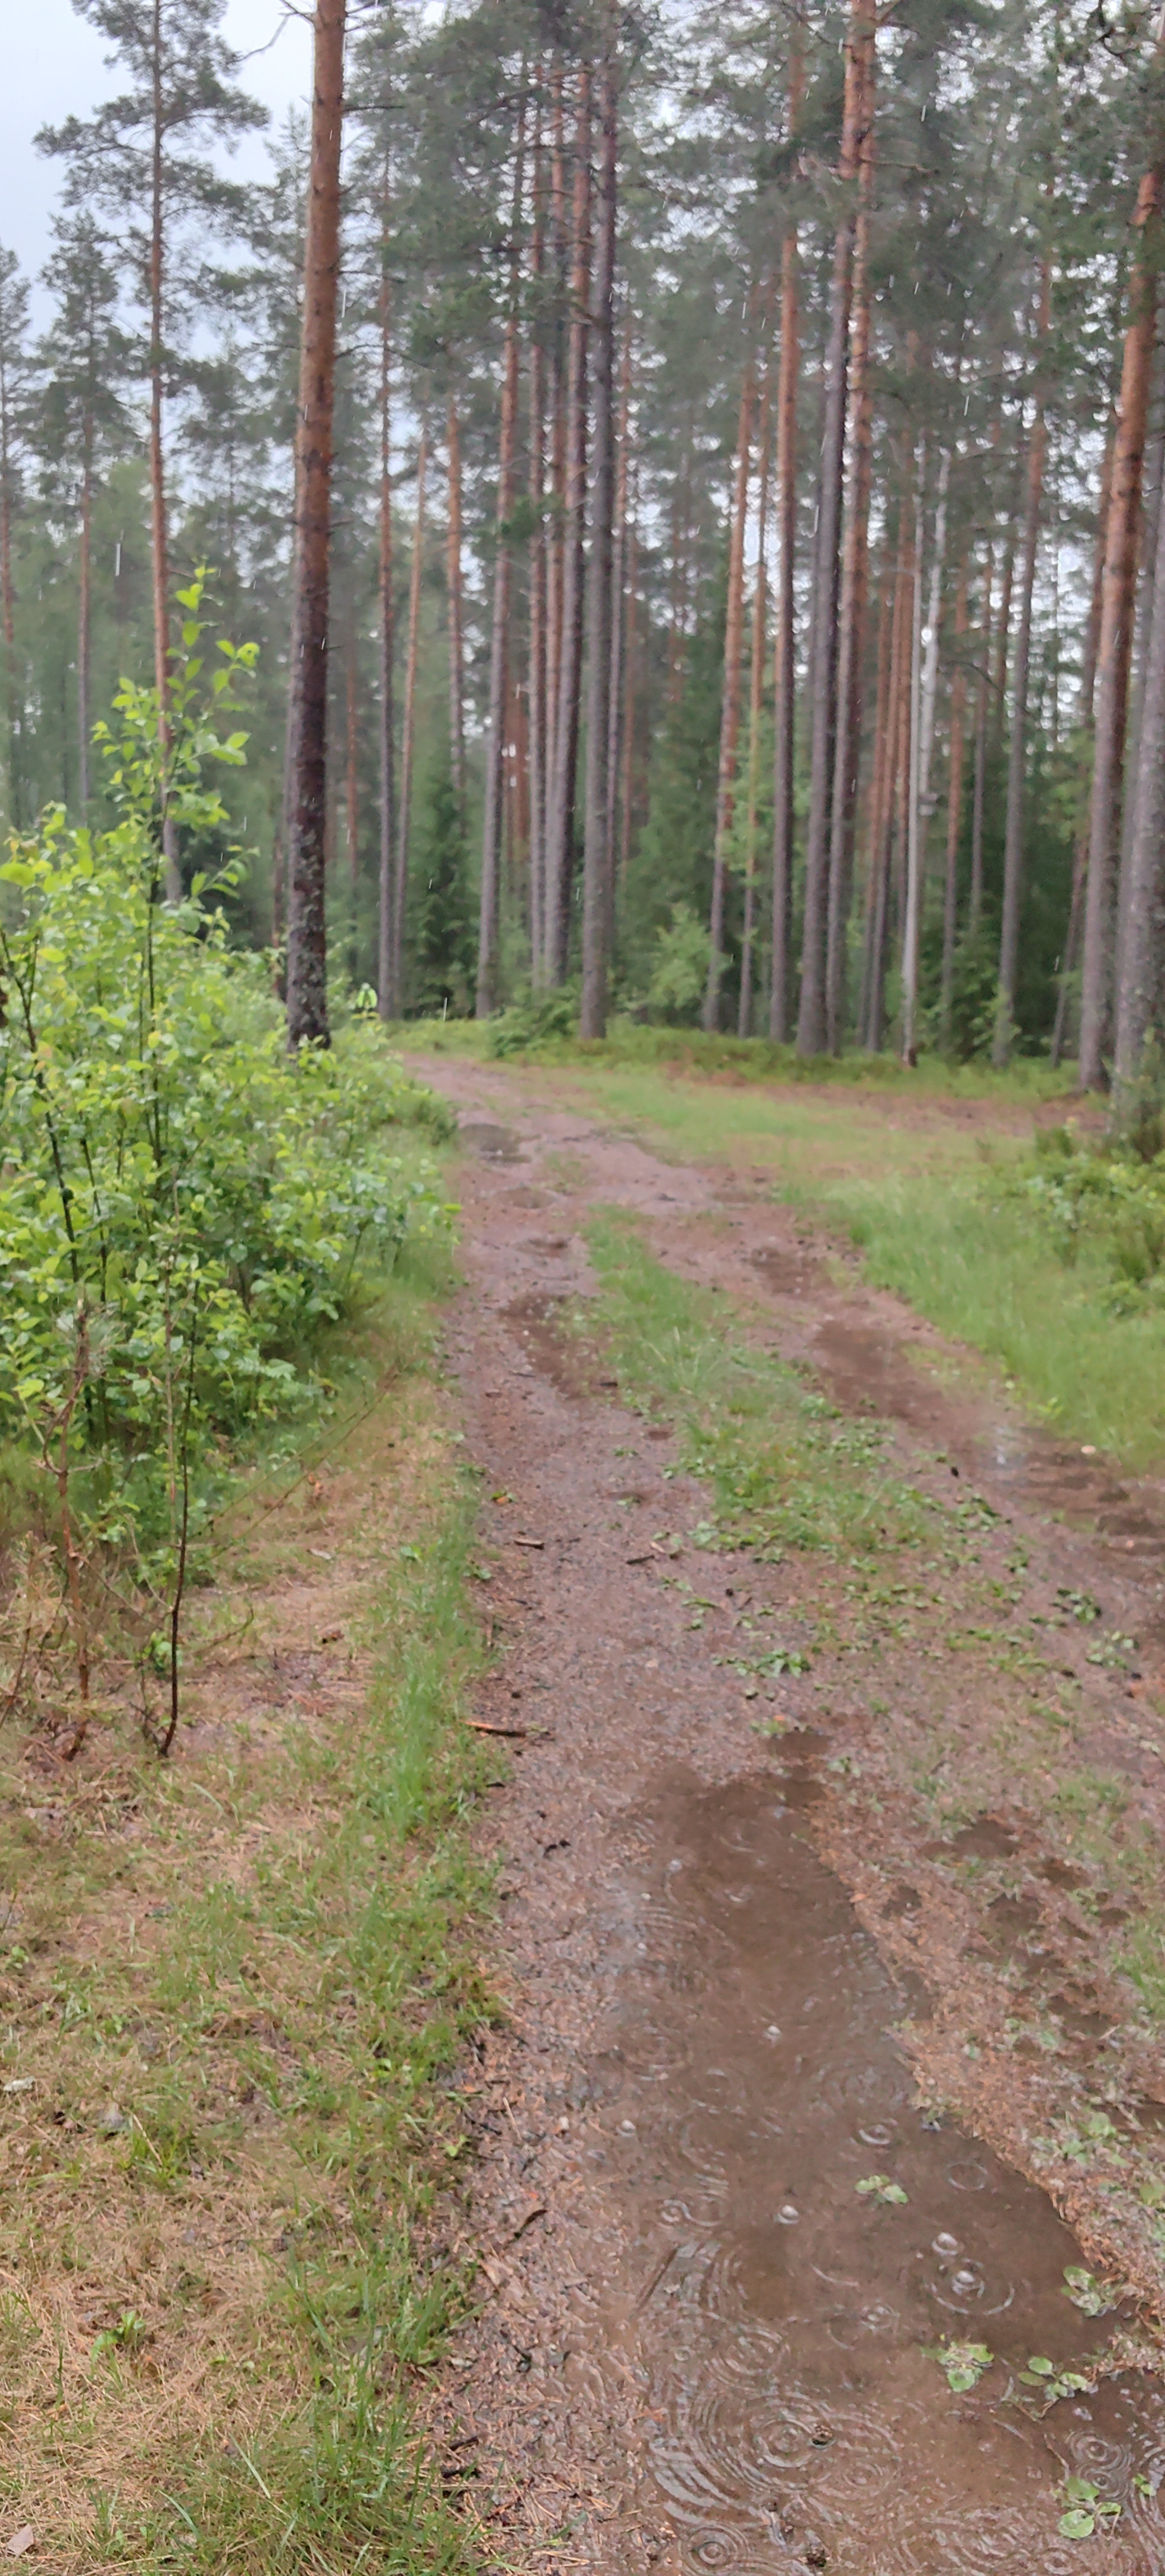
(1078, 2523)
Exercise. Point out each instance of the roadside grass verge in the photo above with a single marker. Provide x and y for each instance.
(631, 1045)
(233, 1990)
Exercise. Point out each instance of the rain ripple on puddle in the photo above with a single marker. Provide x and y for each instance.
(779, 2318)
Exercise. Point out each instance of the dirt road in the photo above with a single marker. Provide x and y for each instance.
(823, 2076)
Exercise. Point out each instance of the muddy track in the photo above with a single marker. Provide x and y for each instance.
(747, 1974)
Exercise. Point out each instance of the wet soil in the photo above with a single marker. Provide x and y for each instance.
(766, 2125)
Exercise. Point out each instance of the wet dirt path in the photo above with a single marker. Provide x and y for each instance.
(741, 1975)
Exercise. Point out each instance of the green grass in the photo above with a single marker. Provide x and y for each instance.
(911, 1170)
(782, 1470)
(629, 1044)
(229, 2300)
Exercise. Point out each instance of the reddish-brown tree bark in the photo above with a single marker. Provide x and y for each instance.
(453, 593)
(954, 803)
(491, 852)
(1087, 702)
(785, 645)
(1116, 624)
(409, 720)
(597, 815)
(536, 670)
(730, 696)
(876, 786)
(893, 800)
(388, 998)
(159, 548)
(855, 563)
(1017, 756)
(352, 747)
(620, 616)
(812, 1029)
(560, 829)
(755, 710)
(631, 669)
(556, 529)
(307, 956)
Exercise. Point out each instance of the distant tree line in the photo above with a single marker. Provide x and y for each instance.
(695, 481)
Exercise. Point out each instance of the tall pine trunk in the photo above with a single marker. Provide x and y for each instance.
(982, 731)
(556, 527)
(1017, 758)
(388, 996)
(785, 645)
(400, 889)
(597, 822)
(352, 746)
(911, 780)
(453, 592)
(730, 698)
(631, 674)
(560, 835)
(620, 615)
(499, 667)
(855, 565)
(954, 808)
(536, 673)
(886, 599)
(307, 954)
(755, 712)
(677, 635)
(896, 756)
(159, 554)
(85, 610)
(1116, 631)
(1087, 704)
(1141, 963)
(928, 709)
(812, 1028)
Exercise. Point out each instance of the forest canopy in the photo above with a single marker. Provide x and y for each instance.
(692, 478)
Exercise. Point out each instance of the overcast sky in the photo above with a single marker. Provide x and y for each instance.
(54, 67)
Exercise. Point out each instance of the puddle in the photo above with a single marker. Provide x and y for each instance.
(567, 1361)
(494, 1144)
(786, 1270)
(867, 1371)
(779, 2315)
(985, 1838)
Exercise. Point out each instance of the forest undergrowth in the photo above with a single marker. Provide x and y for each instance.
(237, 1913)
(233, 1988)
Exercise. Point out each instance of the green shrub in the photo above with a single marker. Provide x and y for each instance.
(1108, 1199)
(183, 1206)
(679, 969)
(536, 1019)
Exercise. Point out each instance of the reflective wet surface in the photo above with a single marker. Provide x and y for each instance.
(494, 1144)
(706, 2345)
(808, 2235)
(868, 1371)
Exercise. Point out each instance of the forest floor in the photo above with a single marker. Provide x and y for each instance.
(817, 2166)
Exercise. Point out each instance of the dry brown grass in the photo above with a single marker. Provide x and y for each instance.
(202, 2161)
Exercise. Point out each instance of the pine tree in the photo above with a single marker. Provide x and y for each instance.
(138, 162)
(14, 297)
